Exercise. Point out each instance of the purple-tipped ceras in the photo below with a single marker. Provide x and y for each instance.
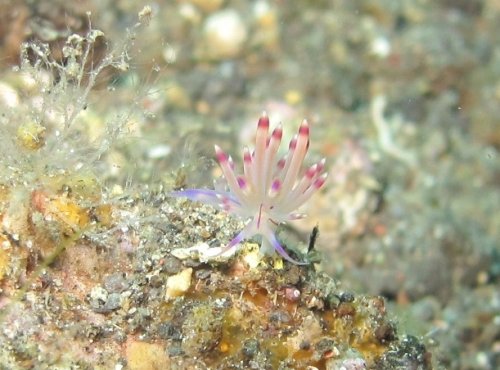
(270, 190)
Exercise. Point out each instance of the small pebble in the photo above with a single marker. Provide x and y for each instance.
(178, 284)
(224, 34)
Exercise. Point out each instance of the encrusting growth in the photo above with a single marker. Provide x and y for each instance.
(270, 190)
